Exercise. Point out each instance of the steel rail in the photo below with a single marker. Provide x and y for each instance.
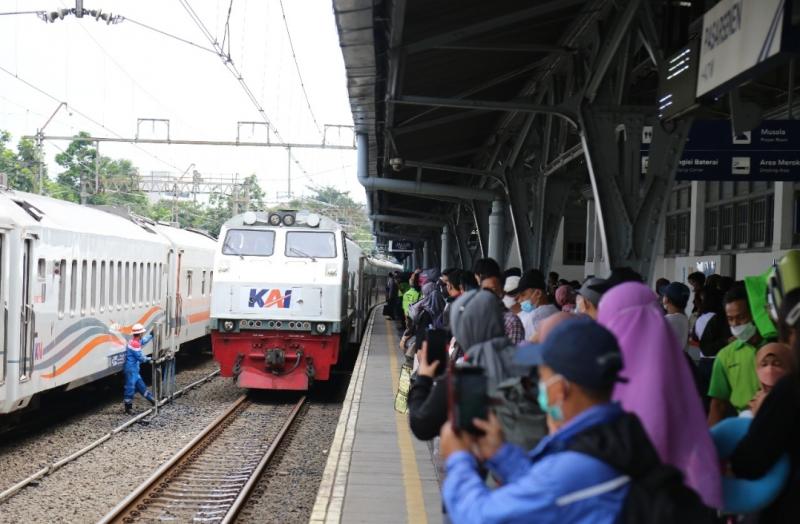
(238, 504)
(47, 470)
(146, 493)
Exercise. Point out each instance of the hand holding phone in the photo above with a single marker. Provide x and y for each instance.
(468, 398)
(426, 367)
(436, 340)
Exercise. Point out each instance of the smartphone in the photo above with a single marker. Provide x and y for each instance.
(437, 340)
(469, 398)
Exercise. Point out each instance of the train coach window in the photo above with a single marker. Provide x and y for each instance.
(127, 284)
(84, 283)
(310, 244)
(102, 286)
(62, 287)
(93, 300)
(73, 287)
(249, 242)
(203, 284)
(188, 283)
(41, 268)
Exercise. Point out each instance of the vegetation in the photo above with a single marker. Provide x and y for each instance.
(115, 182)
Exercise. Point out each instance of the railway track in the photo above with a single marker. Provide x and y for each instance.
(210, 479)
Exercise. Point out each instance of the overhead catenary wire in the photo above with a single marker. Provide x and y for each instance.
(84, 115)
(297, 68)
(228, 62)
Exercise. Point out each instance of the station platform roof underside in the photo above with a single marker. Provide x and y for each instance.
(470, 102)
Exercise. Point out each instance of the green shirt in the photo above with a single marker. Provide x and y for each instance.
(410, 297)
(734, 376)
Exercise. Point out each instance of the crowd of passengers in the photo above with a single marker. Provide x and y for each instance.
(602, 392)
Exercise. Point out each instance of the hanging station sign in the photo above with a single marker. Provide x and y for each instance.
(713, 152)
(401, 246)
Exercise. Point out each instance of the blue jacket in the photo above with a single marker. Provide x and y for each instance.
(549, 484)
(134, 357)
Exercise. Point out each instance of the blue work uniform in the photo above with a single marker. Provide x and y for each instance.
(133, 380)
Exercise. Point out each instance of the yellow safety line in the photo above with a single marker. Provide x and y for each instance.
(415, 504)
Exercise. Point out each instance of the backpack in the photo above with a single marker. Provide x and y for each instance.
(656, 494)
(522, 420)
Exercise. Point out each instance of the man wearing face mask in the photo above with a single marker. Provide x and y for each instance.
(579, 362)
(488, 275)
(733, 380)
(533, 301)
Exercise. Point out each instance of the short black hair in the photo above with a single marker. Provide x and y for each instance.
(725, 283)
(454, 278)
(513, 272)
(661, 282)
(698, 277)
(468, 281)
(737, 292)
(486, 268)
(446, 272)
(552, 275)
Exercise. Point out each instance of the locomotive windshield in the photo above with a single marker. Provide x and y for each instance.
(310, 244)
(249, 242)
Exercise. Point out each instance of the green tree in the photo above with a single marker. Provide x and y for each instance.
(339, 206)
(78, 163)
(21, 166)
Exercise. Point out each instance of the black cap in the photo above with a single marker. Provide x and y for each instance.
(618, 276)
(581, 350)
(532, 279)
(677, 293)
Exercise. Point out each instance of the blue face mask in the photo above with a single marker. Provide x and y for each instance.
(527, 306)
(554, 412)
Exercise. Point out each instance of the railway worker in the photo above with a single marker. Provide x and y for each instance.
(133, 358)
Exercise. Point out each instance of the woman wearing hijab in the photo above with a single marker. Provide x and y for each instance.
(773, 362)
(660, 388)
(427, 313)
(477, 322)
(565, 298)
(775, 429)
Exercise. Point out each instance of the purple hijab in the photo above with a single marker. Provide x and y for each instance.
(661, 390)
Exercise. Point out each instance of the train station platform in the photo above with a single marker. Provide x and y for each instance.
(376, 470)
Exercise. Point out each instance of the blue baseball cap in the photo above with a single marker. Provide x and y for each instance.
(580, 350)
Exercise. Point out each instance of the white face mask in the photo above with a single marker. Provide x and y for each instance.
(744, 332)
(508, 301)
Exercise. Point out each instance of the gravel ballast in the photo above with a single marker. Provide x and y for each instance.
(84, 490)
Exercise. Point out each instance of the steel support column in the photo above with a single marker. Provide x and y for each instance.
(497, 232)
(629, 200)
(446, 258)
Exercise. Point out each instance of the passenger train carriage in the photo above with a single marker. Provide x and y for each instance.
(74, 279)
(291, 292)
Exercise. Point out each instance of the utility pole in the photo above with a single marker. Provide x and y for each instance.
(289, 174)
(39, 138)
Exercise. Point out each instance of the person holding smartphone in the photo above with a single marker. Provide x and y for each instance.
(578, 364)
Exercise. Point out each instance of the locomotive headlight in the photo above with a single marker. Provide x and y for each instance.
(313, 220)
(274, 219)
(249, 218)
(320, 328)
(228, 325)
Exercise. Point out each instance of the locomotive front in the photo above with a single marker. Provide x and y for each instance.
(278, 304)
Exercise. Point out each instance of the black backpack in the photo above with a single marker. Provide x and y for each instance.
(657, 494)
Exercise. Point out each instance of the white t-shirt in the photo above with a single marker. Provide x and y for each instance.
(530, 321)
(680, 325)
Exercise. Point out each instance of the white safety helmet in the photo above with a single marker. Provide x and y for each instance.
(137, 329)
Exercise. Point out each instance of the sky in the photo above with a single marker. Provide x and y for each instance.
(115, 74)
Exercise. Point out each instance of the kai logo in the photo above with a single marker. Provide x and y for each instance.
(270, 298)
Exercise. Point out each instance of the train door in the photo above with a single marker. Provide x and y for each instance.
(4, 313)
(27, 318)
(178, 298)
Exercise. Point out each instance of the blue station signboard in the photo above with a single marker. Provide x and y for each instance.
(712, 152)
